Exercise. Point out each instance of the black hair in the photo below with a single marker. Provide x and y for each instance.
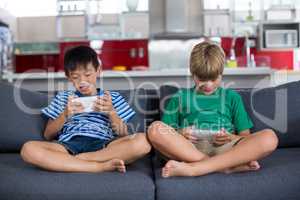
(80, 56)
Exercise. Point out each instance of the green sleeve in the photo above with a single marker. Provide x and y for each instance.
(171, 112)
(241, 119)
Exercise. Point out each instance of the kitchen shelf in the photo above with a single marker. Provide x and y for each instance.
(27, 53)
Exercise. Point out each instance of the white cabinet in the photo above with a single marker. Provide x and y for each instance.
(217, 23)
(65, 27)
(217, 18)
(134, 24)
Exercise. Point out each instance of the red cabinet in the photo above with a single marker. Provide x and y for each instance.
(276, 59)
(280, 59)
(112, 53)
(127, 53)
(36, 62)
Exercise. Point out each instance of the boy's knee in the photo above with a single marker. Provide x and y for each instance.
(26, 149)
(141, 144)
(29, 151)
(154, 131)
(270, 140)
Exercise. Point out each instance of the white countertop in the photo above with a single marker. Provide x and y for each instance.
(149, 73)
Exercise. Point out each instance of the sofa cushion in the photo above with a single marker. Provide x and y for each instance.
(22, 181)
(277, 108)
(20, 119)
(153, 113)
(137, 99)
(277, 179)
(165, 94)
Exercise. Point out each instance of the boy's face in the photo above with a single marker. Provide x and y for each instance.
(207, 87)
(84, 79)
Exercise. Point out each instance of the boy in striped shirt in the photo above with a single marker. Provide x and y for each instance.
(95, 141)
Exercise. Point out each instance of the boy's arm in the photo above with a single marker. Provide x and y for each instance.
(104, 104)
(54, 126)
(117, 124)
(244, 133)
(223, 137)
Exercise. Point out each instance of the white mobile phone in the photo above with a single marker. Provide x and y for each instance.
(204, 134)
(87, 102)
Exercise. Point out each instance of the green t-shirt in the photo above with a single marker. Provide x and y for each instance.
(222, 109)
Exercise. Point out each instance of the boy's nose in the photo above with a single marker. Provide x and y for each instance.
(208, 84)
(83, 79)
(83, 83)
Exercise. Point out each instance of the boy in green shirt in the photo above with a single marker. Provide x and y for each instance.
(211, 111)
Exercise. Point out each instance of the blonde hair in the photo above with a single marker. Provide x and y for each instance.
(207, 61)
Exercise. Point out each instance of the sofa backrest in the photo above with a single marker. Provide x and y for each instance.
(21, 119)
(277, 108)
(137, 99)
(18, 124)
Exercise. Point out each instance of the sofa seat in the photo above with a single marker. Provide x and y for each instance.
(279, 178)
(22, 181)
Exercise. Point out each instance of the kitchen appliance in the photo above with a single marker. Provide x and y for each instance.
(279, 35)
(175, 19)
(281, 38)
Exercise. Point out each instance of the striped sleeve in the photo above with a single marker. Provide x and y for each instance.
(56, 106)
(122, 108)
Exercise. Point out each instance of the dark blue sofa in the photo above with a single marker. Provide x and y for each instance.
(279, 177)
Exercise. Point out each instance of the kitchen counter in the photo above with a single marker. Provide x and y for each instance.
(149, 73)
(233, 77)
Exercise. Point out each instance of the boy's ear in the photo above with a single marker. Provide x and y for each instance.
(69, 78)
(67, 75)
(196, 80)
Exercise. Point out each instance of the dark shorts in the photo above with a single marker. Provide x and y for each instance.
(82, 144)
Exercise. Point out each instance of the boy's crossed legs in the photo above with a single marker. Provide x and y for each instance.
(128, 148)
(55, 157)
(241, 157)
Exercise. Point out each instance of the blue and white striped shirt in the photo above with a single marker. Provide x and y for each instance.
(92, 124)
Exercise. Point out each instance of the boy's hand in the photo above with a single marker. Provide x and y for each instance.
(188, 134)
(73, 107)
(223, 137)
(104, 104)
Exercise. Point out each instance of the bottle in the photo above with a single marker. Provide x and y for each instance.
(232, 63)
(252, 61)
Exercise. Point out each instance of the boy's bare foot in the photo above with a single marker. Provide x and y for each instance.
(175, 168)
(112, 165)
(251, 166)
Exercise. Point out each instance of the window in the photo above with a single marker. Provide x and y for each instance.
(22, 8)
